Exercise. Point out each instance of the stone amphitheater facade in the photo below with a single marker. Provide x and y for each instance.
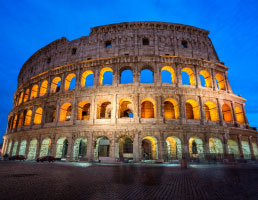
(140, 121)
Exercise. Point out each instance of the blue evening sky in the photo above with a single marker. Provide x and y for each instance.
(28, 25)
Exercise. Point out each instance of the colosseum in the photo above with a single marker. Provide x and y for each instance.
(140, 91)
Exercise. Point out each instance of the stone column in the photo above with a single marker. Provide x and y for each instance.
(62, 87)
(221, 120)
(90, 150)
(182, 116)
(178, 75)
(74, 111)
(213, 76)
(161, 147)
(78, 79)
(32, 116)
(206, 145)
(114, 110)
(240, 146)
(233, 113)
(70, 148)
(96, 78)
(113, 146)
(48, 85)
(245, 118)
(136, 148)
(43, 115)
(38, 147)
(225, 144)
(197, 78)
(4, 146)
(52, 147)
(202, 111)
(251, 147)
(18, 147)
(39, 86)
(58, 107)
(27, 147)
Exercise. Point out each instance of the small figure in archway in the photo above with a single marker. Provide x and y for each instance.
(194, 148)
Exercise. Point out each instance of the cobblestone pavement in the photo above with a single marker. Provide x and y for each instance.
(30, 180)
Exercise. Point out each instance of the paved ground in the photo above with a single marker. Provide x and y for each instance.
(30, 180)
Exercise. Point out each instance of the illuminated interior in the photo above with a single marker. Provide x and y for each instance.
(38, 115)
(215, 146)
(34, 92)
(125, 108)
(239, 115)
(43, 88)
(84, 77)
(246, 149)
(255, 149)
(80, 148)
(22, 148)
(68, 80)
(20, 120)
(220, 82)
(83, 110)
(149, 148)
(171, 71)
(148, 108)
(174, 148)
(207, 78)
(9, 147)
(65, 112)
(211, 111)
(102, 72)
(26, 96)
(125, 147)
(61, 147)
(190, 73)
(45, 147)
(196, 147)
(55, 85)
(14, 148)
(21, 97)
(227, 115)
(192, 109)
(102, 148)
(14, 121)
(171, 110)
(233, 148)
(32, 149)
(104, 110)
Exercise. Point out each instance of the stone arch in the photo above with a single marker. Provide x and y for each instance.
(23, 147)
(21, 118)
(68, 81)
(26, 95)
(15, 145)
(45, 147)
(211, 111)
(148, 108)
(239, 115)
(80, 148)
(192, 109)
(126, 75)
(83, 110)
(102, 147)
(38, 115)
(149, 148)
(61, 147)
(190, 73)
(32, 149)
(65, 112)
(84, 77)
(125, 147)
(233, 148)
(174, 148)
(101, 74)
(169, 70)
(215, 146)
(55, 85)
(104, 109)
(43, 88)
(9, 147)
(50, 114)
(125, 108)
(34, 91)
(147, 71)
(206, 81)
(171, 109)
(246, 149)
(227, 115)
(220, 82)
(196, 147)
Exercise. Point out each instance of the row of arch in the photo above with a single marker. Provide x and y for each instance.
(126, 76)
(127, 110)
(149, 148)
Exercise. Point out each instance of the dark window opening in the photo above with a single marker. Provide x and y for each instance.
(108, 44)
(145, 41)
(88, 58)
(48, 60)
(74, 51)
(126, 54)
(184, 44)
(166, 54)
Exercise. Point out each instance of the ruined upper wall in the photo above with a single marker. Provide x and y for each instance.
(126, 39)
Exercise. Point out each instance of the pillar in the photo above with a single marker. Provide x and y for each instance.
(251, 147)
(225, 144)
(90, 150)
(240, 146)
(69, 155)
(202, 111)
(136, 148)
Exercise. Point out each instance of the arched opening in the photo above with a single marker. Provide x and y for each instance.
(205, 79)
(255, 149)
(125, 148)
(38, 115)
(246, 149)
(102, 147)
(233, 148)
(146, 76)
(15, 145)
(220, 82)
(168, 75)
(215, 146)
(70, 81)
(34, 92)
(20, 121)
(84, 110)
(80, 148)
(87, 78)
(9, 147)
(196, 147)
(14, 121)
(32, 149)
(22, 148)
(174, 148)
(65, 112)
(106, 76)
(26, 95)
(239, 115)
(43, 88)
(149, 148)
(55, 85)
(192, 109)
(148, 108)
(187, 76)
(126, 76)
(61, 147)
(104, 110)
(211, 111)
(45, 147)
(227, 115)
(125, 108)
(171, 110)
(20, 97)
(50, 114)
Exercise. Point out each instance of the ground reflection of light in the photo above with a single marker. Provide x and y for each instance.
(77, 164)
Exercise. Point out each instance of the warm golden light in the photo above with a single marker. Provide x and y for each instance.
(68, 80)
(28, 118)
(148, 108)
(190, 73)
(227, 115)
(102, 72)
(192, 109)
(84, 77)
(65, 112)
(171, 110)
(38, 115)
(172, 72)
(54, 85)
(239, 115)
(211, 111)
(220, 82)
(83, 110)
(43, 88)
(34, 91)
(207, 78)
